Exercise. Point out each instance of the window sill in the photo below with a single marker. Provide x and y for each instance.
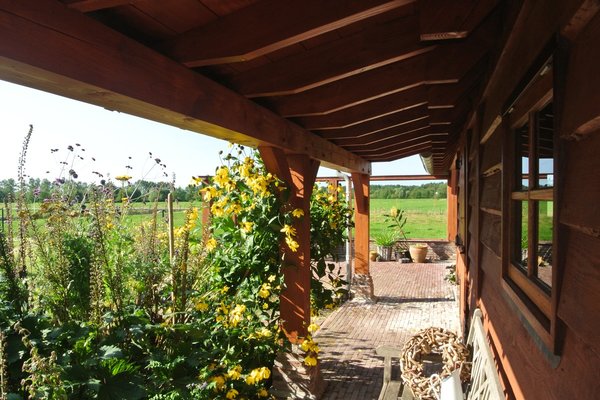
(541, 335)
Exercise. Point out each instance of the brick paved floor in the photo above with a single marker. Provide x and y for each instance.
(411, 297)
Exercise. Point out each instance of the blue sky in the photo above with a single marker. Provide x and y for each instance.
(111, 138)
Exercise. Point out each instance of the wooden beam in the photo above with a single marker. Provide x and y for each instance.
(536, 24)
(399, 142)
(451, 94)
(353, 90)
(95, 5)
(50, 47)
(371, 48)
(361, 223)
(240, 37)
(299, 173)
(584, 14)
(396, 119)
(379, 178)
(401, 154)
(416, 127)
(400, 145)
(443, 20)
(368, 111)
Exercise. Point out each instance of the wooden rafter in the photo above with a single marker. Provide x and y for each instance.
(94, 5)
(370, 48)
(283, 23)
(415, 128)
(353, 90)
(401, 153)
(380, 107)
(62, 53)
(442, 20)
(401, 142)
(393, 120)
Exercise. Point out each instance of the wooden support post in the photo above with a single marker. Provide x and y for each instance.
(452, 200)
(362, 282)
(291, 378)
(299, 172)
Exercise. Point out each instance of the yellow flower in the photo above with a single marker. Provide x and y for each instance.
(393, 212)
(271, 278)
(123, 178)
(265, 306)
(264, 290)
(201, 306)
(232, 394)
(292, 244)
(234, 208)
(298, 212)
(219, 382)
(264, 332)
(262, 393)
(310, 361)
(247, 226)
(225, 289)
(124, 200)
(209, 193)
(312, 328)
(258, 374)
(211, 244)
(235, 372)
(237, 315)
(222, 176)
(288, 230)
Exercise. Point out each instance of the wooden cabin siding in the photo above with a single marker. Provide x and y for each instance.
(528, 368)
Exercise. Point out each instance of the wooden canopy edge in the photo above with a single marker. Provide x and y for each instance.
(47, 46)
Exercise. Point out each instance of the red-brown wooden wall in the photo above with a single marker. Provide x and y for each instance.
(528, 370)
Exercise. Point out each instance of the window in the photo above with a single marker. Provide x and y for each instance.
(530, 266)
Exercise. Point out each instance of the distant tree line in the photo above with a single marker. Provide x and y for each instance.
(430, 190)
(140, 191)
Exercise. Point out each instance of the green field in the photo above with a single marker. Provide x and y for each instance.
(426, 218)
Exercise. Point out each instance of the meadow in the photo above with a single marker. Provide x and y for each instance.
(426, 218)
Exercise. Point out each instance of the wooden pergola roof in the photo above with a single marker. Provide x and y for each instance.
(346, 82)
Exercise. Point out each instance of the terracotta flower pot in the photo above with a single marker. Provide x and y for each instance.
(418, 252)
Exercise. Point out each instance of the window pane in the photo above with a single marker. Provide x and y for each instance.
(545, 148)
(522, 234)
(545, 216)
(522, 157)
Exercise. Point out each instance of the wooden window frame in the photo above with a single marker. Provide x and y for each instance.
(535, 303)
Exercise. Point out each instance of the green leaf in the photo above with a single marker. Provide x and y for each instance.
(107, 352)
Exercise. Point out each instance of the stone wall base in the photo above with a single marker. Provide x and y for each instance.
(294, 380)
(362, 288)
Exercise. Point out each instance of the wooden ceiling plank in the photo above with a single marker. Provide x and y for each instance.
(443, 20)
(373, 47)
(50, 47)
(377, 108)
(398, 142)
(397, 119)
(418, 127)
(95, 5)
(353, 90)
(401, 154)
(538, 21)
(451, 61)
(275, 24)
(450, 95)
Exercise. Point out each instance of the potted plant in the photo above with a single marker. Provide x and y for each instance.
(385, 242)
(398, 221)
(418, 252)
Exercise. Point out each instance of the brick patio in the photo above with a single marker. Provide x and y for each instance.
(410, 297)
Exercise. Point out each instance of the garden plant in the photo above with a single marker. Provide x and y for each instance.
(94, 306)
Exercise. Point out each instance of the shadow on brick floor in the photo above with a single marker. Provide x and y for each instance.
(411, 297)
